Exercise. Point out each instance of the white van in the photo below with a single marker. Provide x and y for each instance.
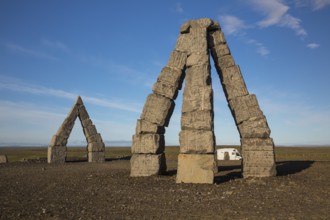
(228, 154)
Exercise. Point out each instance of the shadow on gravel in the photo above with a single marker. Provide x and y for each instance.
(235, 174)
(76, 159)
(291, 167)
(118, 158)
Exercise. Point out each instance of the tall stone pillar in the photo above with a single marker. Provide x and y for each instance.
(196, 161)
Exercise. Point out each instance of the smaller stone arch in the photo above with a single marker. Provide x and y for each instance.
(57, 149)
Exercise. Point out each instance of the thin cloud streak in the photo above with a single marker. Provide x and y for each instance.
(40, 90)
(313, 45)
(232, 25)
(30, 52)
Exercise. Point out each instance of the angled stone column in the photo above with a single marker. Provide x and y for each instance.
(256, 144)
(148, 142)
(196, 161)
(95, 147)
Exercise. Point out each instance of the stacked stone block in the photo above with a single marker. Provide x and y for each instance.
(57, 149)
(256, 145)
(148, 143)
(196, 161)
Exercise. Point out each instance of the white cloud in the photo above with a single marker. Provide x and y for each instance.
(276, 13)
(18, 86)
(319, 4)
(55, 45)
(314, 4)
(261, 49)
(313, 45)
(232, 25)
(179, 8)
(30, 52)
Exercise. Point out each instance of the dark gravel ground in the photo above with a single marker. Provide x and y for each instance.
(81, 190)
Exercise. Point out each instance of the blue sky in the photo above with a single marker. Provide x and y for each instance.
(111, 52)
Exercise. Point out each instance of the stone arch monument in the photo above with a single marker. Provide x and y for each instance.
(196, 162)
(57, 148)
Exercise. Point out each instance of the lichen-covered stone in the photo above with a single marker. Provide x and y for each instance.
(165, 90)
(196, 168)
(96, 147)
(3, 159)
(157, 109)
(148, 144)
(223, 62)
(215, 38)
(56, 154)
(197, 99)
(220, 50)
(233, 82)
(197, 120)
(198, 59)
(177, 60)
(171, 76)
(255, 127)
(244, 108)
(145, 127)
(197, 142)
(96, 157)
(198, 76)
(147, 164)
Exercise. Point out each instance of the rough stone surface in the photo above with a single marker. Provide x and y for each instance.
(171, 76)
(197, 142)
(233, 82)
(177, 60)
(97, 156)
(197, 99)
(197, 120)
(96, 147)
(145, 127)
(3, 159)
(244, 108)
(83, 114)
(148, 144)
(196, 168)
(257, 144)
(258, 157)
(95, 138)
(256, 127)
(148, 164)
(223, 62)
(215, 38)
(219, 51)
(197, 59)
(165, 90)
(157, 110)
(56, 154)
(198, 76)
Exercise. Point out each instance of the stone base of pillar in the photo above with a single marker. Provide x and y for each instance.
(148, 164)
(196, 168)
(56, 154)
